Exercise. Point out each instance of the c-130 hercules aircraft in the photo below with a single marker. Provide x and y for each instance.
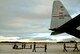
(62, 22)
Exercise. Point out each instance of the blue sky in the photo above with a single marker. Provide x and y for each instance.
(24, 18)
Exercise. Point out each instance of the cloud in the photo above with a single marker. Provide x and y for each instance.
(45, 37)
(30, 16)
(8, 38)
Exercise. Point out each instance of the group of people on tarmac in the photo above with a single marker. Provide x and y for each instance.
(75, 47)
(23, 45)
(34, 47)
(16, 46)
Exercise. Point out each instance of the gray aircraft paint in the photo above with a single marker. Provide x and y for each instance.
(59, 15)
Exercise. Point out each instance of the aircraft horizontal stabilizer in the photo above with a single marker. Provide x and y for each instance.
(55, 33)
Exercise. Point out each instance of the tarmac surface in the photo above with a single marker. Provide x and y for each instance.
(51, 49)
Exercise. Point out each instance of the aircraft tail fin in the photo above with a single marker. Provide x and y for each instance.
(59, 15)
